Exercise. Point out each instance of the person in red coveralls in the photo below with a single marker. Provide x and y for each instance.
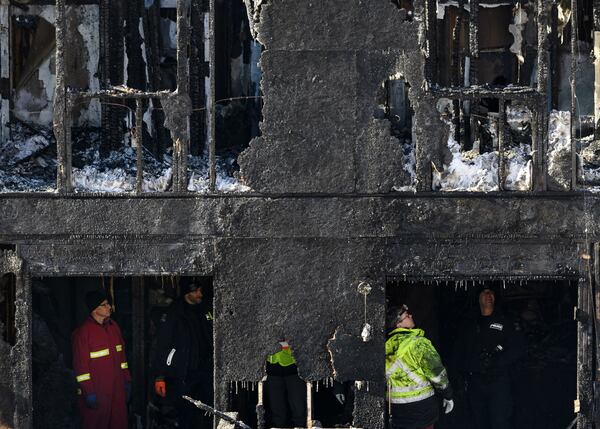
(101, 367)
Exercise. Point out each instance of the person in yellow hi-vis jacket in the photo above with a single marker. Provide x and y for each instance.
(414, 373)
(285, 389)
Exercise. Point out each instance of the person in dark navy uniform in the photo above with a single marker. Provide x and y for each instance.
(485, 350)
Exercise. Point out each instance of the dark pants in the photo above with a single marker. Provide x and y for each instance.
(188, 415)
(491, 402)
(286, 391)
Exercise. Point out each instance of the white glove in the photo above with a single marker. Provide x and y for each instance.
(341, 398)
(448, 405)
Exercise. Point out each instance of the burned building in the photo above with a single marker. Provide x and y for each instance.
(313, 162)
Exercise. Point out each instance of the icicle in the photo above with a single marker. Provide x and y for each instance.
(367, 386)
(236, 387)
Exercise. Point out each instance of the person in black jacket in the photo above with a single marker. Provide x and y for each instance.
(182, 360)
(484, 353)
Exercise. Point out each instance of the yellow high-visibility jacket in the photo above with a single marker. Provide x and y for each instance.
(413, 367)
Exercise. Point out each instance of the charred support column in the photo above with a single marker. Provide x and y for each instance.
(584, 315)
(61, 121)
(181, 138)
(539, 138)
(210, 99)
(5, 71)
(473, 131)
(503, 137)
(431, 40)
(138, 137)
(573, 80)
(137, 349)
(596, 82)
(554, 53)
(20, 355)
(596, 289)
(596, 5)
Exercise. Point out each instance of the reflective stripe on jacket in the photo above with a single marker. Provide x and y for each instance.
(413, 367)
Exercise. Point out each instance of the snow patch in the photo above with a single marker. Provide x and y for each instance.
(518, 165)
(475, 173)
(559, 144)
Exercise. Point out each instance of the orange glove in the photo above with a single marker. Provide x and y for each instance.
(160, 387)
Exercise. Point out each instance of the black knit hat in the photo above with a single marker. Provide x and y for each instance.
(94, 298)
(188, 285)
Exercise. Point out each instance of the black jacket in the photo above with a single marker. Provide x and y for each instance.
(184, 344)
(488, 345)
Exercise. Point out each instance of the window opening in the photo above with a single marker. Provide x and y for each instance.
(122, 128)
(506, 49)
(237, 90)
(489, 146)
(393, 105)
(140, 304)
(407, 6)
(542, 311)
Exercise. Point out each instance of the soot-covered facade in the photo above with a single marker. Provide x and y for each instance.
(344, 183)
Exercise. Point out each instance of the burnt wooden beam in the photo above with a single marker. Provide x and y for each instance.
(210, 99)
(573, 82)
(584, 315)
(62, 116)
(136, 350)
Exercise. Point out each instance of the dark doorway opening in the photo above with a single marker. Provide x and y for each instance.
(8, 288)
(542, 310)
(59, 308)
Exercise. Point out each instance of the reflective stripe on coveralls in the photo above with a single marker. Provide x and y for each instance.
(99, 353)
(83, 377)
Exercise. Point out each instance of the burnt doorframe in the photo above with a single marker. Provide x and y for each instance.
(587, 314)
(21, 380)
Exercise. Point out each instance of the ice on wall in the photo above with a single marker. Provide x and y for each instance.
(559, 146)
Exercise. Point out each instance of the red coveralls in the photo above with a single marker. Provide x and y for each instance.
(101, 367)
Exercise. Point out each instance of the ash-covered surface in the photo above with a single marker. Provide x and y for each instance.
(28, 164)
(476, 170)
(559, 149)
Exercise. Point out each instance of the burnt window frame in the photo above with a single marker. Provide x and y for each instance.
(534, 97)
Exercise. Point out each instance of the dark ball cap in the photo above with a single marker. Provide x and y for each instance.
(94, 298)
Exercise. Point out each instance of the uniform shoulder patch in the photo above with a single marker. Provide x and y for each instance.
(497, 326)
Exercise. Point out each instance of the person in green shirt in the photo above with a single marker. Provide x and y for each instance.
(285, 389)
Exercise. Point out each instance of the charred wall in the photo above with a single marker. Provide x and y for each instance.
(290, 266)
